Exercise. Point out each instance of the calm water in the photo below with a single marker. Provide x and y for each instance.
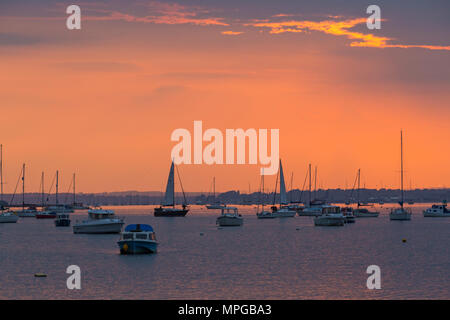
(264, 259)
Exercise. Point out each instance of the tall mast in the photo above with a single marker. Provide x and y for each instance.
(214, 189)
(401, 158)
(23, 187)
(310, 184)
(42, 191)
(57, 184)
(1, 172)
(315, 182)
(262, 190)
(74, 188)
(359, 184)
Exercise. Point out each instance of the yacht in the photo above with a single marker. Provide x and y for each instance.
(437, 210)
(230, 218)
(401, 213)
(168, 209)
(363, 212)
(137, 239)
(99, 221)
(62, 220)
(314, 207)
(331, 216)
(8, 217)
(283, 211)
(45, 215)
(264, 214)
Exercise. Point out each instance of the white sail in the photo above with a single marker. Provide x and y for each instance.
(170, 188)
(283, 197)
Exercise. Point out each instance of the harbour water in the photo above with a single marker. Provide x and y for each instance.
(264, 259)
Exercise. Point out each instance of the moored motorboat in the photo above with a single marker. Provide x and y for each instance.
(100, 221)
(138, 239)
(331, 216)
(437, 211)
(230, 217)
(62, 220)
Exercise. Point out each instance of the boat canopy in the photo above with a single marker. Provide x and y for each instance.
(138, 227)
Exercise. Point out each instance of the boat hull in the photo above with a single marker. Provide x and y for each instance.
(137, 247)
(285, 214)
(8, 218)
(329, 221)
(98, 228)
(162, 212)
(230, 221)
(436, 215)
(45, 216)
(266, 215)
(366, 214)
(62, 223)
(400, 216)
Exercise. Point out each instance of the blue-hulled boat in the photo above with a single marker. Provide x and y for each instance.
(137, 239)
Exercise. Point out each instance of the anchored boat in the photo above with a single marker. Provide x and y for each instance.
(100, 221)
(62, 220)
(437, 211)
(230, 218)
(138, 239)
(331, 216)
(168, 209)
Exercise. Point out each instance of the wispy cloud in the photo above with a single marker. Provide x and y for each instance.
(231, 33)
(160, 13)
(340, 28)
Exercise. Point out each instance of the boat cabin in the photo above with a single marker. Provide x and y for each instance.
(138, 232)
(230, 211)
(101, 215)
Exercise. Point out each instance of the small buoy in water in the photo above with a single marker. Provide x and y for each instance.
(40, 275)
(403, 240)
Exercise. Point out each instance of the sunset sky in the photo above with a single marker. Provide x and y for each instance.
(103, 101)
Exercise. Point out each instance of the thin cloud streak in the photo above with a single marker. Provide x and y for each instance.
(339, 28)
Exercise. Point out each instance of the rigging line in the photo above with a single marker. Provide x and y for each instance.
(17, 184)
(68, 191)
(51, 187)
(354, 185)
(303, 187)
(181, 185)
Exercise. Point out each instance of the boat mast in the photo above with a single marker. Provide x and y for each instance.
(315, 182)
(359, 185)
(401, 159)
(23, 187)
(42, 191)
(74, 188)
(1, 173)
(214, 189)
(310, 184)
(262, 202)
(57, 184)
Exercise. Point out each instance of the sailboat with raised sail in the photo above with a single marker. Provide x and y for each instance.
(283, 211)
(360, 212)
(401, 213)
(167, 208)
(5, 216)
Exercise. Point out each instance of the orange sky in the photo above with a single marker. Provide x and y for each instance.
(103, 103)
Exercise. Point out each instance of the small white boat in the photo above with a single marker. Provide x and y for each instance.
(283, 212)
(437, 211)
(230, 218)
(8, 217)
(312, 211)
(400, 214)
(266, 215)
(331, 216)
(100, 221)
